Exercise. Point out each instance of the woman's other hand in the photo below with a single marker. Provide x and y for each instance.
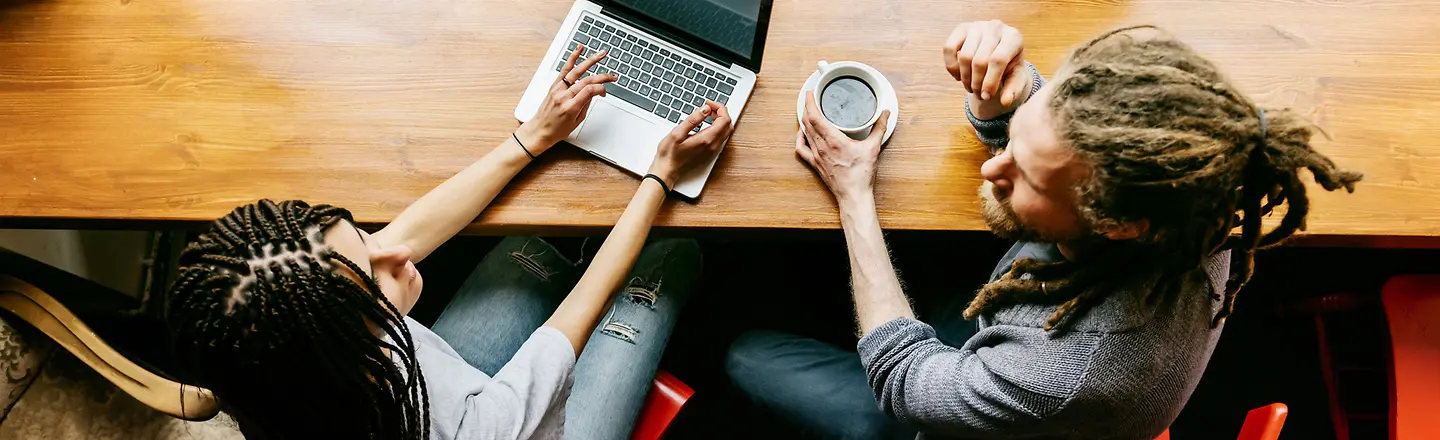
(680, 149)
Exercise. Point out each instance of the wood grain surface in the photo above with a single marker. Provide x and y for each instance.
(126, 112)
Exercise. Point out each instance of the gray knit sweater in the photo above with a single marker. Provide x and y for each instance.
(1123, 370)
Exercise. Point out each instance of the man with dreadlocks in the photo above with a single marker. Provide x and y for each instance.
(1124, 182)
(296, 319)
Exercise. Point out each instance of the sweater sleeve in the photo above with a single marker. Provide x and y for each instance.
(527, 391)
(995, 133)
(1006, 379)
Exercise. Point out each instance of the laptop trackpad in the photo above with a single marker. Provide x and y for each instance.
(623, 138)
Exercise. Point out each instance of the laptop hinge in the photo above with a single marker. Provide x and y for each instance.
(670, 37)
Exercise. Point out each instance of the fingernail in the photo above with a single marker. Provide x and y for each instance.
(985, 95)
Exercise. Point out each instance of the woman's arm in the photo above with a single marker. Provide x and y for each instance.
(580, 312)
(443, 211)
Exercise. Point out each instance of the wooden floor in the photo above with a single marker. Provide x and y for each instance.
(178, 110)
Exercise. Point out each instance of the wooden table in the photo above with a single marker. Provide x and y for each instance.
(120, 113)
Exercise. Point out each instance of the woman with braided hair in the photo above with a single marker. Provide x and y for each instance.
(1135, 183)
(296, 319)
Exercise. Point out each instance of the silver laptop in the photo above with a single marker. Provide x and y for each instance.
(670, 55)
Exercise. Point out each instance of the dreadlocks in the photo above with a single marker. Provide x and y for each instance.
(1168, 139)
(259, 316)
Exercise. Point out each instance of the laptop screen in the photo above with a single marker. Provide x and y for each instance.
(732, 25)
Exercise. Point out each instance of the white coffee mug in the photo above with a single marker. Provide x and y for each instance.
(830, 72)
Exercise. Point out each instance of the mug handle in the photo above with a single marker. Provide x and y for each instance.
(823, 66)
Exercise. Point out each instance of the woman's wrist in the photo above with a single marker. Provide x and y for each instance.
(531, 140)
(666, 174)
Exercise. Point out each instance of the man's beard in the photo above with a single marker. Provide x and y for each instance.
(1003, 221)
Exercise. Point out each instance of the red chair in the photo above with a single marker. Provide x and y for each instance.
(1261, 423)
(666, 397)
(1412, 306)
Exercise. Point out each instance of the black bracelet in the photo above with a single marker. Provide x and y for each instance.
(658, 179)
(522, 145)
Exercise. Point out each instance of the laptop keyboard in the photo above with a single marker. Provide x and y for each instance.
(652, 77)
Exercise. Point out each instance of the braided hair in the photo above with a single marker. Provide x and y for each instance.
(259, 316)
(1168, 140)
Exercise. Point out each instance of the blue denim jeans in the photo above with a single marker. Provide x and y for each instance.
(519, 284)
(821, 390)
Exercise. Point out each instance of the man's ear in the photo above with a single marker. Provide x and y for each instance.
(1118, 230)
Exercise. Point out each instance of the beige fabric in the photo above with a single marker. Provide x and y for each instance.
(71, 401)
(22, 353)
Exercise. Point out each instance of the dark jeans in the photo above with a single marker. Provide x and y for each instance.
(821, 389)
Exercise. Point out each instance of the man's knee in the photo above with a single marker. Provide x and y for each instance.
(751, 362)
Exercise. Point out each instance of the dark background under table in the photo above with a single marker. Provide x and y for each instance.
(1267, 353)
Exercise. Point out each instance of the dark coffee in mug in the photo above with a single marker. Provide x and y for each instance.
(848, 102)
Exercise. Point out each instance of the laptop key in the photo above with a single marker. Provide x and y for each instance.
(690, 85)
(710, 82)
(724, 99)
(584, 27)
(730, 81)
(675, 116)
(658, 59)
(572, 46)
(668, 64)
(588, 19)
(664, 52)
(690, 73)
(669, 76)
(622, 33)
(582, 38)
(654, 94)
(629, 96)
(645, 77)
(712, 95)
(665, 88)
(609, 28)
(655, 82)
(709, 72)
(697, 101)
(725, 88)
(688, 63)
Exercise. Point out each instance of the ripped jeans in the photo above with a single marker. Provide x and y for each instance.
(521, 282)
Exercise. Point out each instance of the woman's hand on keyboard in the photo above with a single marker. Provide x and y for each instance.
(680, 150)
(566, 105)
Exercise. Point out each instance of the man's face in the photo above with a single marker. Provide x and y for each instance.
(1029, 190)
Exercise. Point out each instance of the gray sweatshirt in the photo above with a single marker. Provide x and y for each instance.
(1123, 370)
(525, 399)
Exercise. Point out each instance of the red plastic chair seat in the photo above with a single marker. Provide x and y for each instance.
(1412, 306)
(667, 396)
(1261, 423)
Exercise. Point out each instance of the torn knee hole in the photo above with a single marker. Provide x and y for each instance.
(643, 293)
(622, 331)
(530, 264)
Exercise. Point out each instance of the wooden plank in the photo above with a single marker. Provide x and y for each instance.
(175, 111)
